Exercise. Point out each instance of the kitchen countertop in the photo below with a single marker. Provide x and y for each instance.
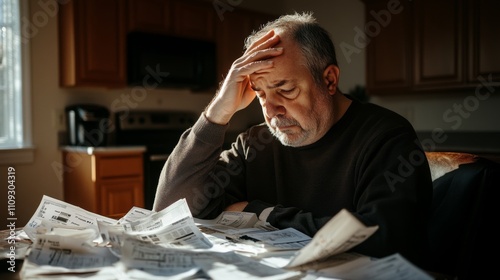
(108, 149)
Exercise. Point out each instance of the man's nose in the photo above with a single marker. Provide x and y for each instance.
(274, 106)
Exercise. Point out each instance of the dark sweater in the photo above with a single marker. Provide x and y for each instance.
(370, 163)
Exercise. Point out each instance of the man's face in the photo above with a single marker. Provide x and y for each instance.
(297, 111)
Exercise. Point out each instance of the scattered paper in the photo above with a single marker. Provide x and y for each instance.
(68, 250)
(134, 214)
(172, 227)
(70, 242)
(54, 213)
(390, 267)
(341, 233)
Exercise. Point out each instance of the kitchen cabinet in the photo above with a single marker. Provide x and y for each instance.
(194, 20)
(92, 43)
(191, 19)
(389, 47)
(105, 181)
(430, 46)
(484, 42)
(439, 44)
(92, 34)
(150, 16)
(232, 29)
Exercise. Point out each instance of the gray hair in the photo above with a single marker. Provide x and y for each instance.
(313, 40)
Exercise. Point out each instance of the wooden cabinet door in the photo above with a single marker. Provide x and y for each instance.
(92, 43)
(446, 45)
(484, 42)
(78, 180)
(389, 47)
(439, 43)
(194, 20)
(232, 30)
(231, 33)
(150, 16)
(117, 196)
(118, 165)
(119, 182)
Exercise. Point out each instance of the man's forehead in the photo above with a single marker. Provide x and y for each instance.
(272, 84)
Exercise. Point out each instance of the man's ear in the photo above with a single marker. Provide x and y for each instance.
(331, 78)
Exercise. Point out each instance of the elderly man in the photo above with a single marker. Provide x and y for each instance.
(319, 151)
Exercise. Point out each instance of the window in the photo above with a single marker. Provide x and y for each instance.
(15, 142)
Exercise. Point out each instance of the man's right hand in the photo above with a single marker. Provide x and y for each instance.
(235, 93)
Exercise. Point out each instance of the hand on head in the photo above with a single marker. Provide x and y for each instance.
(235, 93)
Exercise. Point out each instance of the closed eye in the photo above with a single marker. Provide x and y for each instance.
(288, 93)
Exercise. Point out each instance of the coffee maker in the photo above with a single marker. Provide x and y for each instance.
(88, 125)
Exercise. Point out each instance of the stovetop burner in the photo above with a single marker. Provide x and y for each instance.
(157, 130)
(154, 120)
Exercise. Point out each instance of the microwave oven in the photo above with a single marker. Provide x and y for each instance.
(158, 60)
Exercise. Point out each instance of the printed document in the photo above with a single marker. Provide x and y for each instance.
(341, 233)
(171, 243)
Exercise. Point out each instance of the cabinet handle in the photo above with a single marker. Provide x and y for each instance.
(158, 157)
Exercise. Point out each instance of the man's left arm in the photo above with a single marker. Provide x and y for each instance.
(395, 193)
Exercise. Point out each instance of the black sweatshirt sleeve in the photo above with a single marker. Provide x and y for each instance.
(191, 171)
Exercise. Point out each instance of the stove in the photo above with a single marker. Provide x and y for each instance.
(159, 132)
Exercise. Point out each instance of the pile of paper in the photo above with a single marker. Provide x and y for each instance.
(70, 242)
(143, 244)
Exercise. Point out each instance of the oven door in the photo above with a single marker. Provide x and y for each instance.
(153, 164)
